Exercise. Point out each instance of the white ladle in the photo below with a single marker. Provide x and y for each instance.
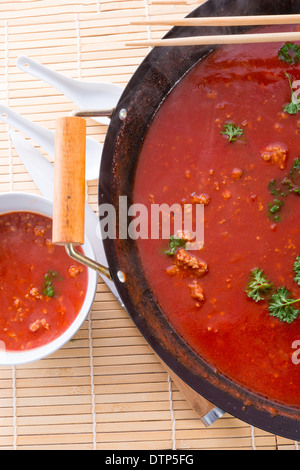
(86, 95)
(46, 139)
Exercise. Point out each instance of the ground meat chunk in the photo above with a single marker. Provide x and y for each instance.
(237, 173)
(39, 231)
(227, 194)
(186, 236)
(197, 293)
(172, 270)
(276, 154)
(75, 270)
(34, 293)
(190, 264)
(200, 199)
(39, 324)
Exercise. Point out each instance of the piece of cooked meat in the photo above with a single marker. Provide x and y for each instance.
(197, 292)
(189, 263)
(275, 154)
(200, 199)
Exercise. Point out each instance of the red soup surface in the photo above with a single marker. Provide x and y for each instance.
(41, 289)
(225, 138)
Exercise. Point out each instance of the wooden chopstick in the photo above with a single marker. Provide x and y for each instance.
(224, 21)
(172, 2)
(221, 39)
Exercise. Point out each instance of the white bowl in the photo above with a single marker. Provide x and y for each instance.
(13, 202)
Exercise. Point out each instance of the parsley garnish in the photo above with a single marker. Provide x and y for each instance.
(232, 131)
(280, 302)
(297, 270)
(274, 208)
(258, 285)
(294, 106)
(281, 306)
(290, 53)
(174, 244)
(292, 178)
(290, 184)
(48, 289)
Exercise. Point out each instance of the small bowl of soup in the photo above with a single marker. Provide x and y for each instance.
(45, 296)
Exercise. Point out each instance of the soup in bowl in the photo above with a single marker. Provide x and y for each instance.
(45, 296)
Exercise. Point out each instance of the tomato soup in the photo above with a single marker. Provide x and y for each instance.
(228, 137)
(41, 289)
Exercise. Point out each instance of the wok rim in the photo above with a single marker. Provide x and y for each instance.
(236, 400)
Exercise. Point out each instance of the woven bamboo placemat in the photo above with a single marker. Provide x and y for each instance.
(105, 389)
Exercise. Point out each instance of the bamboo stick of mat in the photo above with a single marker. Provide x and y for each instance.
(48, 405)
(219, 39)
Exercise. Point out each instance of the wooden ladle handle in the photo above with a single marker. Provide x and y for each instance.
(69, 181)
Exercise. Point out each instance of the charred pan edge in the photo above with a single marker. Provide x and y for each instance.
(152, 82)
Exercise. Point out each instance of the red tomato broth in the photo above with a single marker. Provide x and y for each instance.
(183, 153)
(29, 319)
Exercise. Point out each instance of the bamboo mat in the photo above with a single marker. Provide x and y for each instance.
(105, 389)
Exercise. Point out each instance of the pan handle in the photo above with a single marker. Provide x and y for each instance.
(69, 189)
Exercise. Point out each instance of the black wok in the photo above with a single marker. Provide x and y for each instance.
(152, 82)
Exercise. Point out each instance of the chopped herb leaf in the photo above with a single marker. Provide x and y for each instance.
(276, 206)
(48, 289)
(258, 285)
(272, 187)
(294, 106)
(290, 184)
(274, 209)
(290, 53)
(281, 306)
(296, 164)
(52, 273)
(297, 270)
(275, 189)
(292, 178)
(174, 244)
(232, 131)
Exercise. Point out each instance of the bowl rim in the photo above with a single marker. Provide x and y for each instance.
(26, 202)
